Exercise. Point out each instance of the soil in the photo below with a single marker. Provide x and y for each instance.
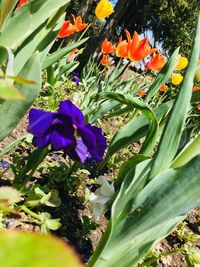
(72, 210)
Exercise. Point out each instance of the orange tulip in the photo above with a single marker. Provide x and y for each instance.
(164, 88)
(105, 61)
(122, 48)
(134, 49)
(156, 63)
(198, 106)
(195, 88)
(107, 47)
(138, 49)
(67, 29)
(21, 3)
(74, 51)
(79, 23)
(141, 93)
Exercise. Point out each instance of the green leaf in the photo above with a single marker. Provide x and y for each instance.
(191, 150)
(21, 80)
(135, 129)
(40, 40)
(171, 136)
(67, 69)
(134, 102)
(27, 19)
(9, 92)
(19, 249)
(9, 195)
(54, 57)
(147, 215)
(11, 112)
(12, 145)
(6, 9)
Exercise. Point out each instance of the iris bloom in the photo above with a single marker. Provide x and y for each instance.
(105, 61)
(104, 9)
(177, 79)
(65, 130)
(182, 63)
(80, 26)
(75, 78)
(156, 63)
(134, 49)
(21, 3)
(67, 29)
(107, 47)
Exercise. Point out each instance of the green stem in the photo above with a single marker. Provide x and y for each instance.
(84, 32)
(40, 159)
(73, 168)
(32, 164)
(30, 212)
(164, 254)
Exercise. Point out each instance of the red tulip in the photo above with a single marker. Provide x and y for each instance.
(107, 47)
(105, 61)
(67, 29)
(156, 63)
(80, 26)
(21, 3)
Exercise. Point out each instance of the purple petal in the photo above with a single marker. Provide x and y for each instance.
(59, 141)
(41, 141)
(78, 152)
(62, 133)
(39, 121)
(101, 143)
(68, 108)
(88, 137)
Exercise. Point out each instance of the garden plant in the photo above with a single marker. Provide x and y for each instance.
(107, 150)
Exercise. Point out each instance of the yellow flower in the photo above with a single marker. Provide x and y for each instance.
(177, 79)
(104, 9)
(182, 63)
(198, 61)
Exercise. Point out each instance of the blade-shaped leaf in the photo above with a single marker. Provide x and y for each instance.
(11, 112)
(27, 19)
(54, 57)
(189, 151)
(149, 215)
(171, 136)
(6, 9)
(9, 91)
(134, 102)
(13, 243)
(135, 129)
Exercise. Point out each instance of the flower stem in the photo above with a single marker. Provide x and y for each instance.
(30, 212)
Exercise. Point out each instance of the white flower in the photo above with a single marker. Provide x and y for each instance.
(101, 196)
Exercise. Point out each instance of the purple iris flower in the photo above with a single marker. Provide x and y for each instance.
(4, 164)
(65, 130)
(75, 78)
